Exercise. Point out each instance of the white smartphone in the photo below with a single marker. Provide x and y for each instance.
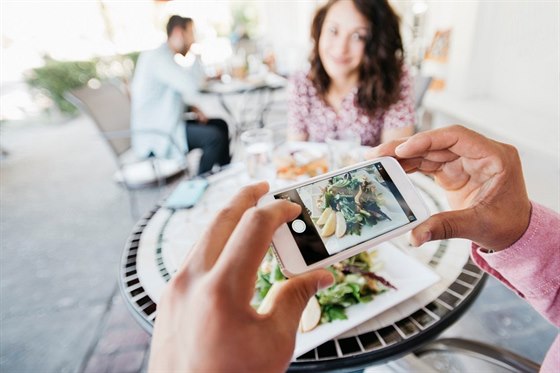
(345, 212)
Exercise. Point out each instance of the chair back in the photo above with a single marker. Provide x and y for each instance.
(109, 108)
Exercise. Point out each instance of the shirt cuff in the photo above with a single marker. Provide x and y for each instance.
(520, 264)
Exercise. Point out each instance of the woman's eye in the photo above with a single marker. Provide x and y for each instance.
(358, 37)
(332, 30)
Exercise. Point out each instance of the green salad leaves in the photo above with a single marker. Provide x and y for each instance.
(358, 200)
(355, 282)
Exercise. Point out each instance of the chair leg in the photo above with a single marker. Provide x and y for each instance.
(486, 352)
(158, 175)
(132, 200)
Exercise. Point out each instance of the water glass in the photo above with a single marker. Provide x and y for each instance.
(344, 150)
(258, 145)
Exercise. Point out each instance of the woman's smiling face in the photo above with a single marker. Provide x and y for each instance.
(342, 41)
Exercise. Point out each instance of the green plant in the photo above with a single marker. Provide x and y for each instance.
(57, 77)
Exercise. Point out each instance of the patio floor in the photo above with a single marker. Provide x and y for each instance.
(63, 227)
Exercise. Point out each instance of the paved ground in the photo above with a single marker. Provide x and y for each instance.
(63, 227)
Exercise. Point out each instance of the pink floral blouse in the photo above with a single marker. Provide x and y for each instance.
(309, 115)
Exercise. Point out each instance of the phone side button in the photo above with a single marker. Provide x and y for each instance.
(298, 226)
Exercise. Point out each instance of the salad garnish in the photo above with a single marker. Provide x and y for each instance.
(355, 282)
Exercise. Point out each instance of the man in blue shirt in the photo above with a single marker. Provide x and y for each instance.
(161, 93)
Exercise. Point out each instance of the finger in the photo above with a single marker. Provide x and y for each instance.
(446, 225)
(385, 149)
(292, 297)
(441, 156)
(251, 238)
(419, 164)
(209, 246)
(456, 139)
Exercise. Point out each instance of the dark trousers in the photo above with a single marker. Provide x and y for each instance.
(213, 139)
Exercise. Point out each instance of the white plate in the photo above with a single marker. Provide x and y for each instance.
(404, 272)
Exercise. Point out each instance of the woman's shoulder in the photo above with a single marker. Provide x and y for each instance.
(300, 78)
(301, 85)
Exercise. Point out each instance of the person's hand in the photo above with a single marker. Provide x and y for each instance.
(483, 181)
(200, 116)
(204, 319)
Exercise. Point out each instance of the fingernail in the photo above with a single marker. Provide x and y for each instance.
(325, 281)
(400, 147)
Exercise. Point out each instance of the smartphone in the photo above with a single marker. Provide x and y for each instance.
(187, 194)
(345, 212)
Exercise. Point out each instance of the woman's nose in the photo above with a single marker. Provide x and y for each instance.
(340, 44)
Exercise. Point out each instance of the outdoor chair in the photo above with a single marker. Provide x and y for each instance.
(109, 108)
(494, 356)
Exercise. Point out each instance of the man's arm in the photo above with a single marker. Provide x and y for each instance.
(484, 184)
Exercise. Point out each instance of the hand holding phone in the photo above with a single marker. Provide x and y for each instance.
(345, 212)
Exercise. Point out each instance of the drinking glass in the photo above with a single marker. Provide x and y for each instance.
(258, 144)
(344, 150)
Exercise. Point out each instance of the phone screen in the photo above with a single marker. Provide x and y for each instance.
(346, 210)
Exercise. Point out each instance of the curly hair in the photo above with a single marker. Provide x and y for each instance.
(381, 67)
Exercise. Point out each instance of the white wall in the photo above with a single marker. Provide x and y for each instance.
(286, 27)
(522, 41)
(503, 79)
(505, 55)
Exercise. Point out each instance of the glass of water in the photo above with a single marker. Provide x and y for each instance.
(344, 150)
(258, 145)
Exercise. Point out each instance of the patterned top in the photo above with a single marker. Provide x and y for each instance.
(309, 115)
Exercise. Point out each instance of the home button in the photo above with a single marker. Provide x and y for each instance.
(298, 226)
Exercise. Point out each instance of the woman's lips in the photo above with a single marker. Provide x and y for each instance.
(340, 60)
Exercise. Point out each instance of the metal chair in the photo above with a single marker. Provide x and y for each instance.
(109, 107)
(483, 351)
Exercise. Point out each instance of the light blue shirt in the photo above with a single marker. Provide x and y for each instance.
(160, 90)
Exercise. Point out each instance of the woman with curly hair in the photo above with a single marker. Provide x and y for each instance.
(357, 81)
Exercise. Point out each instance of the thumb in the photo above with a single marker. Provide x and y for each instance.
(294, 295)
(445, 225)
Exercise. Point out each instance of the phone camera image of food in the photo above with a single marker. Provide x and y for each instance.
(351, 208)
(346, 212)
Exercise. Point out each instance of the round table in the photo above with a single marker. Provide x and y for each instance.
(248, 110)
(151, 256)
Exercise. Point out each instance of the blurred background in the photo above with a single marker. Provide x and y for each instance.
(492, 66)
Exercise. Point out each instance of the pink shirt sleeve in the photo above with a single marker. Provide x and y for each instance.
(531, 268)
(401, 113)
(298, 104)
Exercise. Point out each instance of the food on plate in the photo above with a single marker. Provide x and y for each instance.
(266, 304)
(354, 201)
(300, 163)
(355, 282)
(311, 316)
(330, 225)
(340, 224)
(324, 216)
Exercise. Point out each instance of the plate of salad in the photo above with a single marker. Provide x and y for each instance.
(365, 286)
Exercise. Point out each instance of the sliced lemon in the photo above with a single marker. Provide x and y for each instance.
(311, 315)
(324, 216)
(330, 225)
